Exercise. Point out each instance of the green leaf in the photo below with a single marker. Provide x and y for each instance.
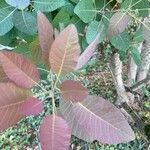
(138, 36)
(61, 18)
(85, 10)
(141, 5)
(135, 55)
(48, 5)
(80, 25)
(6, 23)
(25, 22)
(20, 4)
(74, 1)
(122, 43)
(93, 29)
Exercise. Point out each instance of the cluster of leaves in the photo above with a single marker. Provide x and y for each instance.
(84, 114)
(81, 114)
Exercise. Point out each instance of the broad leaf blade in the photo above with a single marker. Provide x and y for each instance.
(11, 99)
(6, 23)
(96, 119)
(73, 91)
(20, 4)
(32, 106)
(45, 31)
(88, 53)
(118, 23)
(54, 133)
(48, 5)
(65, 51)
(25, 22)
(19, 69)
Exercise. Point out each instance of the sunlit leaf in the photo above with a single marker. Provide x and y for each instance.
(85, 10)
(19, 69)
(96, 119)
(11, 99)
(118, 23)
(87, 54)
(54, 133)
(20, 4)
(73, 91)
(32, 106)
(48, 5)
(65, 51)
(45, 31)
(6, 23)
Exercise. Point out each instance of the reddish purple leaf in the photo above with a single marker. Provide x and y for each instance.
(45, 31)
(54, 133)
(19, 69)
(65, 51)
(73, 91)
(87, 54)
(11, 99)
(96, 119)
(32, 106)
(118, 23)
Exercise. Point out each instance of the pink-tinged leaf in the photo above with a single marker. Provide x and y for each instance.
(19, 69)
(73, 91)
(54, 133)
(65, 51)
(87, 54)
(32, 106)
(96, 119)
(118, 23)
(46, 33)
(3, 76)
(11, 99)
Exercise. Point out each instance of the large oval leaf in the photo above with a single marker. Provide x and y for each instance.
(118, 23)
(25, 22)
(96, 119)
(20, 4)
(54, 134)
(11, 99)
(45, 31)
(19, 69)
(32, 106)
(88, 53)
(65, 51)
(73, 91)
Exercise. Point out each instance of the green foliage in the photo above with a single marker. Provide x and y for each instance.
(122, 43)
(85, 10)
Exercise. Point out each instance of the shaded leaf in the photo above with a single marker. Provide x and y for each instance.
(11, 99)
(25, 22)
(54, 133)
(73, 91)
(118, 23)
(96, 119)
(19, 69)
(48, 5)
(45, 32)
(85, 10)
(32, 106)
(136, 56)
(122, 43)
(20, 4)
(36, 52)
(65, 51)
(87, 54)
